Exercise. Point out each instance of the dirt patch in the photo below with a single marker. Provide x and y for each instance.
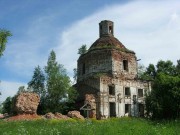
(24, 117)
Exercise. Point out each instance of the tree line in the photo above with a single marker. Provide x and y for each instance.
(163, 102)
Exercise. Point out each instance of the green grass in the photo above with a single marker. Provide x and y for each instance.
(114, 126)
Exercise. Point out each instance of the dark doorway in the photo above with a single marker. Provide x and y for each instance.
(128, 109)
(141, 110)
(112, 107)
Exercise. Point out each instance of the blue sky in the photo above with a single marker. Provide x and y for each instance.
(150, 28)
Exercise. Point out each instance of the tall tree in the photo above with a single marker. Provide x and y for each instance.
(21, 89)
(37, 83)
(148, 73)
(58, 84)
(163, 102)
(166, 67)
(151, 71)
(82, 49)
(178, 67)
(7, 105)
(4, 34)
(75, 75)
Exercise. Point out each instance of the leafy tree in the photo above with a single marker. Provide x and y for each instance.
(1, 106)
(82, 49)
(141, 70)
(151, 71)
(7, 105)
(37, 85)
(21, 89)
(166, 67)
(163, 102)
(4, 34)
(146, 74)
(178, 67)
(58, 84)
(75, 75)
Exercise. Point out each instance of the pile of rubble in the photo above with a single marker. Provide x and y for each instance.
(26, 108)
(71, 114)
(5, 115)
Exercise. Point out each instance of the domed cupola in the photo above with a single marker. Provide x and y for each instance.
(107, 55)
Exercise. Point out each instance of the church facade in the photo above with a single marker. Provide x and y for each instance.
(107, 81)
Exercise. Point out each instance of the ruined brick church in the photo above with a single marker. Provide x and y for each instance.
(107, 81)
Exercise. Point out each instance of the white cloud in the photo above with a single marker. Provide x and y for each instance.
(9, 89)
(147, 27)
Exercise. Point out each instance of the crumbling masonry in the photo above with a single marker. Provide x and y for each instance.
(107, 80)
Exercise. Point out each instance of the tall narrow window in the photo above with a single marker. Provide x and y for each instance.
(100, 27)
(83, 68)
(127, 92)
(140, 92)
(111, 90)
(125, 65)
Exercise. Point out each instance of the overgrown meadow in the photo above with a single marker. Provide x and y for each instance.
(114, 126)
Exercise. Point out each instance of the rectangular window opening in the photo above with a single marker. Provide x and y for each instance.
(140, 92)
(127, 92)
(111, 90)
(125, 65)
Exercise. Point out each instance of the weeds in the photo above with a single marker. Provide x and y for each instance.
(114, 126)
